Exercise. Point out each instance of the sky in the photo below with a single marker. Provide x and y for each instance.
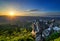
(30, 7)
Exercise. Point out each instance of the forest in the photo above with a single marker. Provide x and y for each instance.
(21, 32)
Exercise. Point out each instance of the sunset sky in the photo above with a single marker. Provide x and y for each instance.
(30, 7)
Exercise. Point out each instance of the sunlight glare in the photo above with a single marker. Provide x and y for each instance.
(11, 13)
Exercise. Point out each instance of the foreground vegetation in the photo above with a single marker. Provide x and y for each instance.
(19, 33)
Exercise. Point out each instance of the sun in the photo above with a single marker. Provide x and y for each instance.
(11, 13)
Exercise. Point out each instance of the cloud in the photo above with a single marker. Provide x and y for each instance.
(32, 10)
(37, 12)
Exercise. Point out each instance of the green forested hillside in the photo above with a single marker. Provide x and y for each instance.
(18, 33)
(58, 39)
